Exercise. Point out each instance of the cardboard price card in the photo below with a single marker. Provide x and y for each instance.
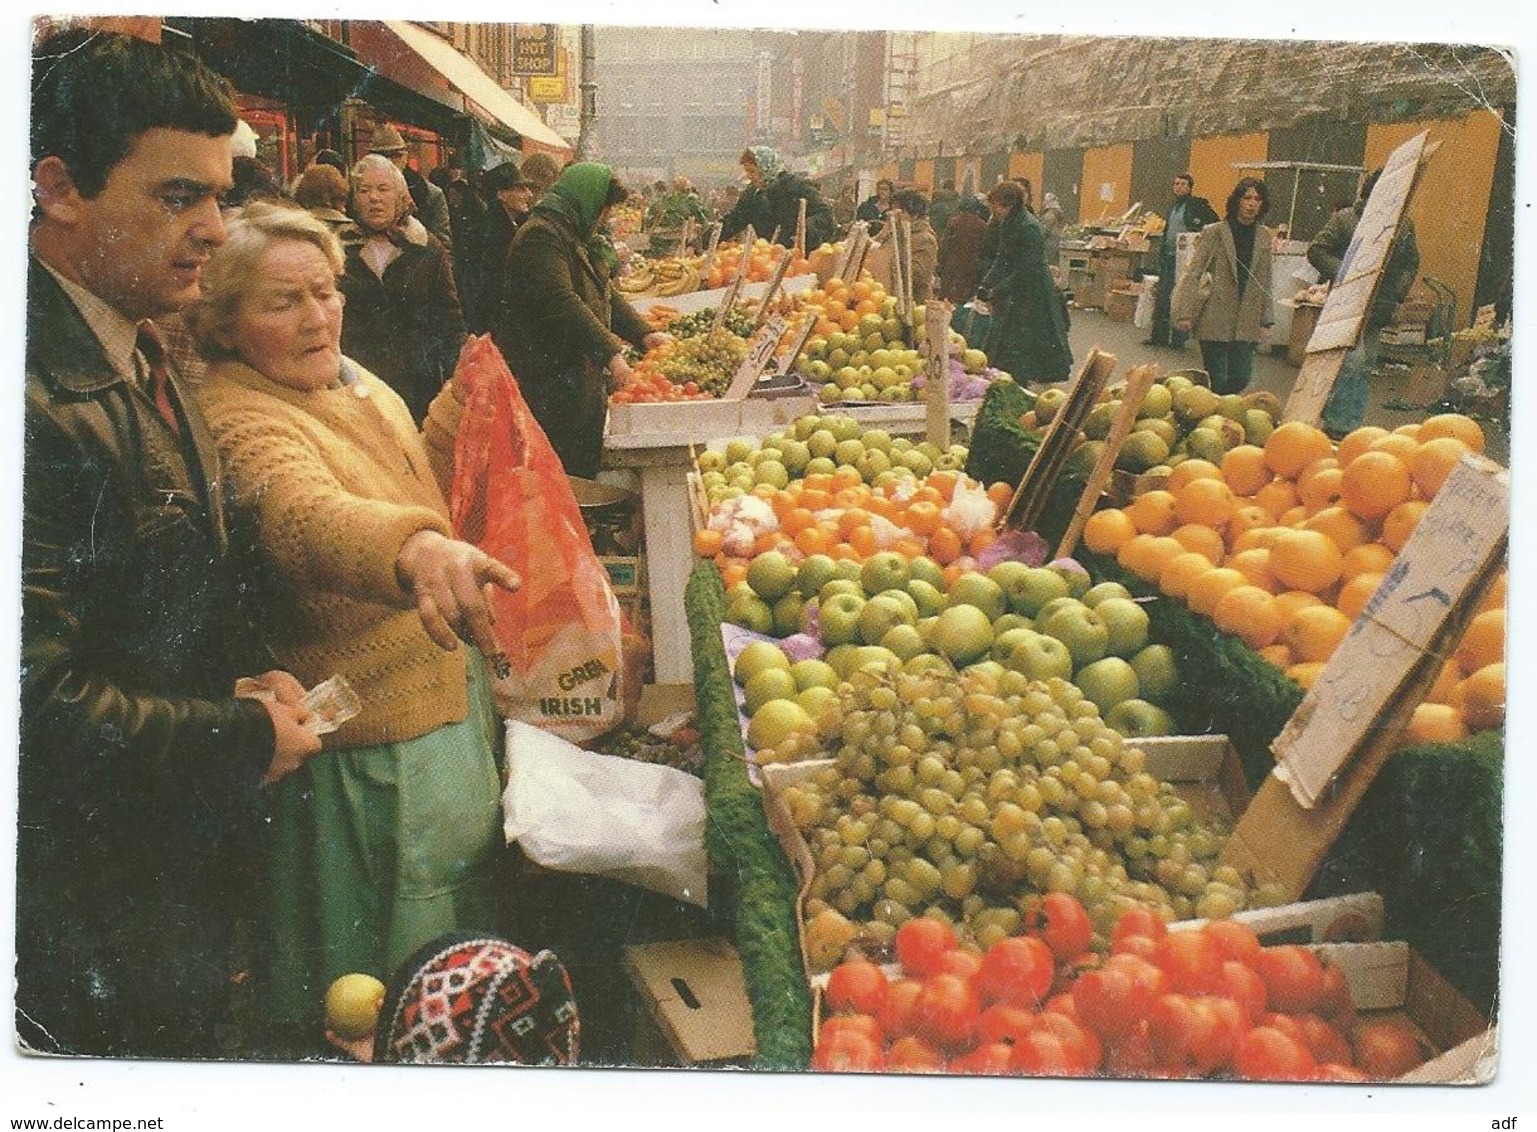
(759, 350)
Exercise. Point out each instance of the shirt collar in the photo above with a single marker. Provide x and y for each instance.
(118, 335)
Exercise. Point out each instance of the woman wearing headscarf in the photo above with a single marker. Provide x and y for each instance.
(403, 322)
(563, 326)
(1028, 336)
(1237, 311)
(771, 202)
(390, 836)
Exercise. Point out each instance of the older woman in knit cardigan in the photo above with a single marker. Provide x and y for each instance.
(388, 838)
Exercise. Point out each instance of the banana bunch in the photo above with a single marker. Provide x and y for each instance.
(675, 277)
(639, 279)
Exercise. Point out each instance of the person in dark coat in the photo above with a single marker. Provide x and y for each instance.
(943, 206)
(1028, 336)
(141, 774)
(512, 196)
(564, 325)
(873, 209)
(467, 221)
(960, 252)
(1188, 213)
(771, 202)
(403, 319)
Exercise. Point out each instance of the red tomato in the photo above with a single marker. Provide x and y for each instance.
(960, 962)
(991, 1059)
(1336, 1003)
(857, 987)
(1267, 1054)
(1294, 978)
(1385, 1050)
(914, 1055)
(921, 944)
(1132, 1055)
(948, 1012)
(1233, 940)
(1191, 961)
(1324, 1042)
(1041, 1055)
(1286, 1023)
(1017, 970)
(1078, 1041)
(1145, 946)
(1067, 930)
(1244, 987)
(1193, 1036)
(1061, 1004)
(852, 1023)
(1112, 1000)
(1004, 1022)
(848, 1051)
(897, 1011)
(1138, 921)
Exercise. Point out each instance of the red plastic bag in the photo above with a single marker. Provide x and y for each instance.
(562, 631)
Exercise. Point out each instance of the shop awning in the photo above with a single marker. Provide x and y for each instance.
(482, 91)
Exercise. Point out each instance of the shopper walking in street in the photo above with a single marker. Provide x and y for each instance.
(140, 774)
(430, 203)
(564, 325)
(960, 252)
(390, 837)
(1051, 222)
(909, 204)
(467, 221)
(1188, 213)
(1028, 336)
(771, 203)
(1237, 310)
(1346, 408)
(541, 171)
(943, 206)
(323, 191)
(403, 322)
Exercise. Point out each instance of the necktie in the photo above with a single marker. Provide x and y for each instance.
(159, 373)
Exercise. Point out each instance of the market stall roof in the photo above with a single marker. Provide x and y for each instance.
(477, 86)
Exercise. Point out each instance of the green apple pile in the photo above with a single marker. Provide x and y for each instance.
(1179, 419)
(873, 362)
(821, 444)
(1040, 622)
(965, 795)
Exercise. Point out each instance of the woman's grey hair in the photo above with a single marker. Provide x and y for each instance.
(378, 163)
(232, 269)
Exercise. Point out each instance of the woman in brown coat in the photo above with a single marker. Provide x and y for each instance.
(563, 326)
(960, 252)
(1238, 311)
(403, 318)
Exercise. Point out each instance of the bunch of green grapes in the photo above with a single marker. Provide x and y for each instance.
(692, 325)
(964, 796)
(709, 361)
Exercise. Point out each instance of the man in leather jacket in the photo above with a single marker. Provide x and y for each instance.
(140, 771)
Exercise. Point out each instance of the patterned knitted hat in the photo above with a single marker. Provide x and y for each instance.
(475, 1000)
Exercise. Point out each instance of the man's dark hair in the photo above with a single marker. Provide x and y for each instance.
(617, 193)
(1370, 183)
(94, 93)
(1007, 193)
(1187, 178)
(912, 202)
(1243, 186)
(333, 159)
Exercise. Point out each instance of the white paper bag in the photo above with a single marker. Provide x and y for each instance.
(577, 812)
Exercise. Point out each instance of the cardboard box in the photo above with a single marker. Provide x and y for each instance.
(1120, 305)
(677, 424)
(694, 1006)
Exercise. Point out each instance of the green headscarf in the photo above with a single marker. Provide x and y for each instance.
(579, 195)
(768, 161)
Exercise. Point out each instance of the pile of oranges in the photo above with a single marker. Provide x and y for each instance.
(835, 514)
(763, 258)
(841, 305)
(1284, 545)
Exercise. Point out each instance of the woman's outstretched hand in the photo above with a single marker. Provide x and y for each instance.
(452, 583)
